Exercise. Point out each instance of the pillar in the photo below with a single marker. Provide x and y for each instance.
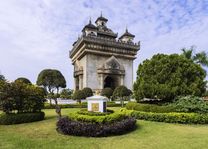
(80, 82)
(101, 81)
(122, 80)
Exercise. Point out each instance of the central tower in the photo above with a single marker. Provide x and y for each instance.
(100, 59)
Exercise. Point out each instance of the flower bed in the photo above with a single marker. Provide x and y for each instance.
(96, 126)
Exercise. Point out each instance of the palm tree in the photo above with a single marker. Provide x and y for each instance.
(199, 58)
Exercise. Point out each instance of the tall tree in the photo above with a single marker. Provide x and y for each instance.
(79, 96)
(121, 92)
(51, 79)
(199, 58)
(2, 78)
(168, 76)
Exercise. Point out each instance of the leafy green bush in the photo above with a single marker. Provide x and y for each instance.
(108, 92)
(117, 116)
(13, 118)
(66, 93)
(68, 126)
(78, 95)
(184, 118)
(21, 97)
(87, 92)
(190, 104)
(149, 107)
(24, 80)
(167, 76)
(91, 113)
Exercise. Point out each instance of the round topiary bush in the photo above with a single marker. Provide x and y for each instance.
(96, 126)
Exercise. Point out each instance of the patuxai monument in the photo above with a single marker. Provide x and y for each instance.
(102, 59)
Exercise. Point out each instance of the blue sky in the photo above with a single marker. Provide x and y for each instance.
(35, 35)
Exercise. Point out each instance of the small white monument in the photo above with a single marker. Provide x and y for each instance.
(97, 103)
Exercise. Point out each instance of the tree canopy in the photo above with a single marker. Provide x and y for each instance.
(87, 92)
(199, 58)
(108, 92)
(78, 95)
(121, 92)
(51, 79)
(167, 76)
(2, 78)
(24, 80)
(66, 93)
(21, 97)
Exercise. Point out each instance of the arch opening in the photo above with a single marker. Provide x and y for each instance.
(109, 82)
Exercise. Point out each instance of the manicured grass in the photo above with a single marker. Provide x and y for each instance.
(149, 135)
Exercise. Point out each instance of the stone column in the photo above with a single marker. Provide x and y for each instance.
(80, 82)
(122, 80)
(101, 81)
(75, 83)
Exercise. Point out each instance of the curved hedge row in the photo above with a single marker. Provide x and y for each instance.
(91, 113)
(117, 116)
(13, 118)
(183, 118)
(71, 127)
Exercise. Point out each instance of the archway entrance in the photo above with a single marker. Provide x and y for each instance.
(109, 82)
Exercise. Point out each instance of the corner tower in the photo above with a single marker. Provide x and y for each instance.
(100, 59)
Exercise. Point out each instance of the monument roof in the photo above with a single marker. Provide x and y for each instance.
(90, 26)
(127, 34)
(101, 18)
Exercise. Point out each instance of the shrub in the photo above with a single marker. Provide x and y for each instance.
(24, 80)
(184, 118)
(121, 92)
(168, 76)
(78, 95)
(87, 92)
(190, 104)
(68, 126)
(91, 113)
(66, 93)
(149, 107)
(108, 92)
(117, 116)
(84, 105)
(13, 118)
(21, 97)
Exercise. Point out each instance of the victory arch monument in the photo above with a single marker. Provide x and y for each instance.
(101, 59)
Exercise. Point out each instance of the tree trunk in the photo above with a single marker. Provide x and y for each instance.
(122, 101)
(50, 101)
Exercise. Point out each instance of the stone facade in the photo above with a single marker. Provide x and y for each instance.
(101, 60)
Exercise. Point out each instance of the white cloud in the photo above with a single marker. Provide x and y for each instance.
(38, 34)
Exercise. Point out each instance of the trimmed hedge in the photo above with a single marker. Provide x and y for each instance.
(149, 107)
(91, 113)
(183, 118)
(14, 118)
(78, 128)
(84, 105)
(117, 116)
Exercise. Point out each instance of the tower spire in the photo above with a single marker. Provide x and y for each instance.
(90, 22)
(126, 29)
(101, 14)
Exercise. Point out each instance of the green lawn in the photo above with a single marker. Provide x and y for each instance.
(149, 135)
